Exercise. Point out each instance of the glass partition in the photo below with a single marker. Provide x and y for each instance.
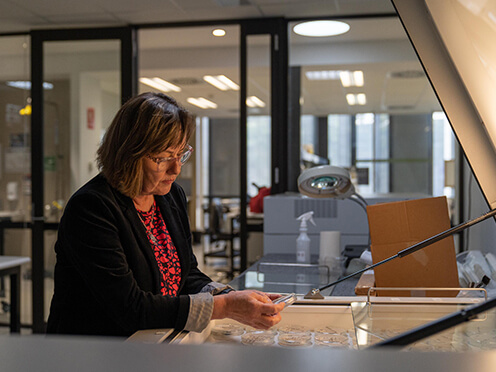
(15, 140)
(201, 71)
(258, 113)
(367, 105)
(15, 164)
(83, 95)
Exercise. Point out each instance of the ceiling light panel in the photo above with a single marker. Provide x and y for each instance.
(221, 82)
(351, 78)
(254, 101)
(202, 103)
(323, 75)
(160, 84)
(356, 99)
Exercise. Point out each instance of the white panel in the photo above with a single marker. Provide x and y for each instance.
(468, 29)
(450, 88)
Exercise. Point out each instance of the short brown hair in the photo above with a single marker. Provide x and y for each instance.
(147, 124)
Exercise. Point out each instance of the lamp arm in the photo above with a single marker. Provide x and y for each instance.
(361, 198)
(360, 201)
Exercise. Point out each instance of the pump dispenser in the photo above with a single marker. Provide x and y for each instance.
(303, 241)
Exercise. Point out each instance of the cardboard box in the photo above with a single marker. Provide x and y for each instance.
(399, 225)
(366, 281)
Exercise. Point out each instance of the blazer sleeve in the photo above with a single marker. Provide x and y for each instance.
(94, 239)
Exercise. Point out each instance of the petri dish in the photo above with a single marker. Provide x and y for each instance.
(294, 329)
(295, 339)
(484, 341)
(331, 330)
(227, 329)
(258, 338)
(331, 340)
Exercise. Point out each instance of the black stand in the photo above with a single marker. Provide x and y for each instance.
(438, 325)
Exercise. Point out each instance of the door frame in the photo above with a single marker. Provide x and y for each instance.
(129, 79)
(277, 28)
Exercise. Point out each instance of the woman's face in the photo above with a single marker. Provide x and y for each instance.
(158, 179)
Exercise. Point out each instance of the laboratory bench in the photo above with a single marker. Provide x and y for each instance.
(341, 320)
(11, 266)
(38, 353)
(335, 333)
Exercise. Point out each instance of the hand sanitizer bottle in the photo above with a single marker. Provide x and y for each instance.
(303, 241)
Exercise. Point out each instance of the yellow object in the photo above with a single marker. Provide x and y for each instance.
(26, 110)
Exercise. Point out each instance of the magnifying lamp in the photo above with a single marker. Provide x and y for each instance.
(327, 181)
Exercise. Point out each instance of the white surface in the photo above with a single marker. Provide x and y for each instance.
(443, 67)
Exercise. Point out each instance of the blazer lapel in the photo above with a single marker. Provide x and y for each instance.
(139, 231)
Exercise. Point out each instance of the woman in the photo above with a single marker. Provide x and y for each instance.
(124, 256)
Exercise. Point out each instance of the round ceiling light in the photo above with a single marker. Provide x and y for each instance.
(219, 32)
(321, 28)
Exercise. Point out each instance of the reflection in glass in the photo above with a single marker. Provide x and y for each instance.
(85, 95)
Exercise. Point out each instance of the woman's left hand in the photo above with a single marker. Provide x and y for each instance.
(253, 308)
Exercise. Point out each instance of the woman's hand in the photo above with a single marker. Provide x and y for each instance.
(249, 307)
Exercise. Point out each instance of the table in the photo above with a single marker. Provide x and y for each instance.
(11, 265)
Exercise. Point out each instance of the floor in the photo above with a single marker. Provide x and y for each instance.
(215, 268)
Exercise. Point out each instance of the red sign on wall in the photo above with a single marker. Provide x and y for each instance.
(90, 117)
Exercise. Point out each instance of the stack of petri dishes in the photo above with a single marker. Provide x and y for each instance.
(258, 337)
(331, 337)
(227, 332)
(295, 335)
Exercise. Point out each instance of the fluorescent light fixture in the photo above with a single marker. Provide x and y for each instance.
(219, 32)
(361, 99)
(26, 85)
(202, 103)
(351, 78)
(348, 78)
(323, 75)
(351, 99)
(254, 101)
(160, 84)
(321, 28)
(221, 82)
(356, 99)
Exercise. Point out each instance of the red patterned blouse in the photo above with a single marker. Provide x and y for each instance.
(164, 250)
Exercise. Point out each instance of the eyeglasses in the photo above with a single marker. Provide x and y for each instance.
(183, 157)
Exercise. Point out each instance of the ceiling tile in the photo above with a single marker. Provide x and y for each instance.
(59, 7)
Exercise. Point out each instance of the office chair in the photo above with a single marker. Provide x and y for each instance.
(221, 243)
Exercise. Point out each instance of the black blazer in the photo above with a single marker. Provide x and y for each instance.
(106, 276)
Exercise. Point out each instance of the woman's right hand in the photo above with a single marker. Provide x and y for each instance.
(252, 308)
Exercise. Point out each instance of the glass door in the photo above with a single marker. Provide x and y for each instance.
(86, 75)
(264, 134)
